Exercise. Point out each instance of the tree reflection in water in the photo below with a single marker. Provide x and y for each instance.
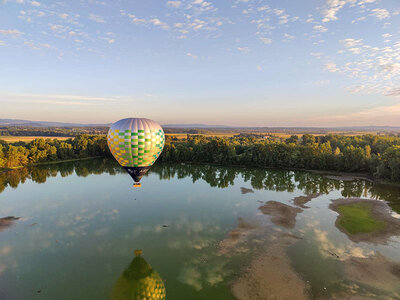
(215, 176)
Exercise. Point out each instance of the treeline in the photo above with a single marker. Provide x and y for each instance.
(47, 150)
(50, 131)
(378, 156)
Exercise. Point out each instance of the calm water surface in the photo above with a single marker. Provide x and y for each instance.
(80, 222)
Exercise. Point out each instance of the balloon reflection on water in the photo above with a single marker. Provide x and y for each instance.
(139, 282)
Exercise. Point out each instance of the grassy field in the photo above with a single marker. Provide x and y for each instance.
(12, 139)
(357, 218)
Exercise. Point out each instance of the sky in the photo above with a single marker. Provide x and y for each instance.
(230, 62)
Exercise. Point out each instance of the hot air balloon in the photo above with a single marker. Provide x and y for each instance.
(136, 143)
(139, 282)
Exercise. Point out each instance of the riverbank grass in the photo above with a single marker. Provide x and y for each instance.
(357, 218)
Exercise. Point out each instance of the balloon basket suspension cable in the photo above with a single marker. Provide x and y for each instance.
(137, 185)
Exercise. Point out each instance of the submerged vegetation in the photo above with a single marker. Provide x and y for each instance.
(377, 156)
(357, 218)
(365, 220)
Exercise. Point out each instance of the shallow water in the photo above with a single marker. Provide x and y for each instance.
(80, 222)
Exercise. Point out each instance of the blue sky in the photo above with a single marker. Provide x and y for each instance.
(233, 62)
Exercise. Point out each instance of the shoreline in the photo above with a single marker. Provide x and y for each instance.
(326, 173)
(332, 175)
(5, 170)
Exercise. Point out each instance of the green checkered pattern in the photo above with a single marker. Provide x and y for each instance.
(136, 149)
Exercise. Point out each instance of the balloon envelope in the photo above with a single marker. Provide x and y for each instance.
(136, 143)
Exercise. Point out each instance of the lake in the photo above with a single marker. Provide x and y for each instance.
(70, 231)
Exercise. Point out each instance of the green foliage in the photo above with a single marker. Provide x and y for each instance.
(357, 218)
(45, 150)
(389, 166)
(371, 154)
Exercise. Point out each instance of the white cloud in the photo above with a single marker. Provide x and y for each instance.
(192, 55)
(153, 21)
(283, 19)
(57, 97)
(265, 40)
(35, 3)
(333, 7)
(10, 32)
(380, 13)
(157, 22)
(351, 42)
(278, 12)
(63, 16)
(174, 4)
(96, 18)
(375, 70)
(362, 2)
(317, 54)
(244, 49)
(288, 36)
(331, 67)
(394, 92)
(355, 50)
(320, 28)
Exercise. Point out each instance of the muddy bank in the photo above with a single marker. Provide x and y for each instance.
(379, 211)
(270, 275)
(244, 190)
(302, 200)
(282, 214)
(375, 271)
(7, 222)
(240, 235)
(347, 177)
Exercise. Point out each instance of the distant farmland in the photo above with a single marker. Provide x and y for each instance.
(12, 139)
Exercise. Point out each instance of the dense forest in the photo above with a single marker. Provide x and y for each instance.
(378, 156)
(46, 150)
